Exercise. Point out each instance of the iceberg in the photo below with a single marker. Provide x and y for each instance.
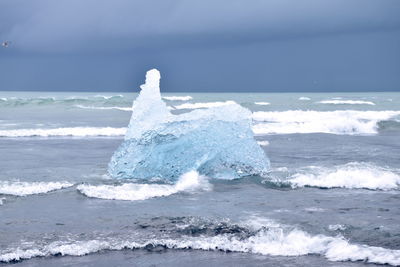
(217, 142)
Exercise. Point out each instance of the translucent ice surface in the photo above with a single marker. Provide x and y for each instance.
(217, 141)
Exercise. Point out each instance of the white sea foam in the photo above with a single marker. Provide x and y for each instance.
(262, 103)
(314, 209)
(67, 131)
(276, 242)
(334, 122)
(347, 102)
(263, 143)
(281, 210)
(75, 98)
(109, 97)
(351, 175)
(273, 239)
(104, 108)
(304, 98)
(336, 227)
(17, 188)
(188, 182)
(204, 105)
(178, 98)
(69, 248)
(274, 122)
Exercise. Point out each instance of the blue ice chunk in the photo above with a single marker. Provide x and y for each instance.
(217, 142)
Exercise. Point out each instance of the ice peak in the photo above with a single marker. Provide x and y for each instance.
(152, 80)
(148, 109)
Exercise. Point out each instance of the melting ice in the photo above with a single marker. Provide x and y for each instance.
(217, 141)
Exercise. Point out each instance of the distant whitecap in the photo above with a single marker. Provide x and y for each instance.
(104, 108)
(347, 102)
(262, 103)
(203, 105)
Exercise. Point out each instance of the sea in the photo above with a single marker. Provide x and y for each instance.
(330, 198)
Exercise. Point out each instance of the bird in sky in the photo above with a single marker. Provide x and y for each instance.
(5, 44)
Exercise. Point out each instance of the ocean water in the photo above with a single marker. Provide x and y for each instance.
(331, 197)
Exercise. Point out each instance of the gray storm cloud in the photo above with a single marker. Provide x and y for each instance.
(208, 45)
(54, 26)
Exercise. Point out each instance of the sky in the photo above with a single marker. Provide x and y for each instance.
(201, 46)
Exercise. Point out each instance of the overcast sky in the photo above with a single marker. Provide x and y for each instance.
(207, 45)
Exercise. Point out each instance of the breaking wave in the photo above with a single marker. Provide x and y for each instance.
(304, 98)
(188, 182)
(177, 98)
(310, 121)
(347, 102)
(352, 175)
(346, 122)
(257, 237)
(30, 188)
(67, 131)
(204, 105)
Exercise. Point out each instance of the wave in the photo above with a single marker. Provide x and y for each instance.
(109, 97)
(16, 101)
(262, 103)
(337, 227)
(39, 101)
(17, 188)
(256, 237)
(105, 108)
(304, 98)
(347, 102)
(275, 122)
(314, 209)
(263, 143)
(310, 121)
(177, 98)
(352, 175)
(204, 105)
(389, 125)
(67, 131)
(2, 199)
(188, 182)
